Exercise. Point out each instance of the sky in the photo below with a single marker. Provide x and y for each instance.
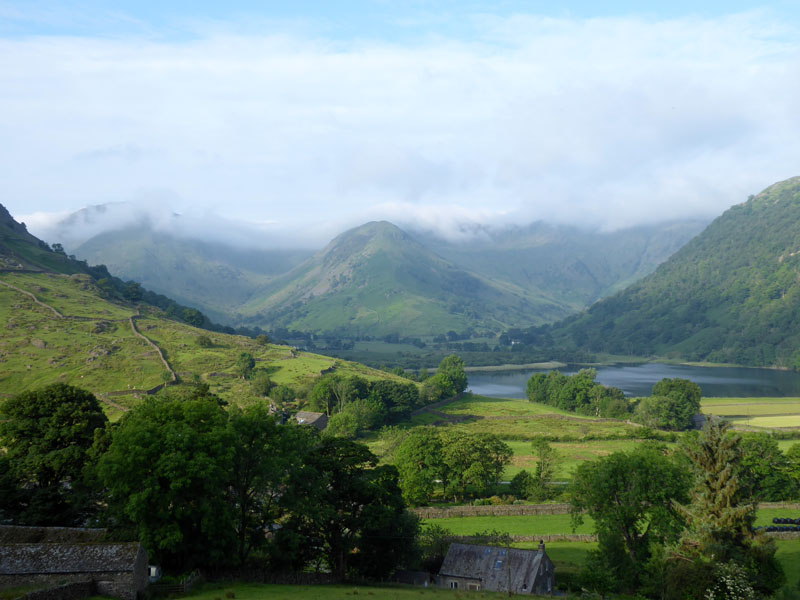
(303, 118)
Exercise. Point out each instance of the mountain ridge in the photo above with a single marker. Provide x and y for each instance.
(731, 295)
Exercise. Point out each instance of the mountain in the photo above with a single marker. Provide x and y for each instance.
(20, 250)
(215, 277)
(513, 277)
(574, 266)
(730, 295)
(377, 280)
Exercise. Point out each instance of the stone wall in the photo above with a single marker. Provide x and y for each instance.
(69, 591)
(500, 510)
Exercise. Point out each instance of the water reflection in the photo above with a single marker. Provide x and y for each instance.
(638, 380)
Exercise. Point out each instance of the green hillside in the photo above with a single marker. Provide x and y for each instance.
(376, 280)
(59, 328)
(731, 295)
(213, 277)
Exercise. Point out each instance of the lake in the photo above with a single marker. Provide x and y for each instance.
(638, 380)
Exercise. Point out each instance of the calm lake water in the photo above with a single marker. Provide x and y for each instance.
(638, 380)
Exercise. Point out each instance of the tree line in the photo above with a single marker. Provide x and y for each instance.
(355, 404)
(672, 405)
(201, 485)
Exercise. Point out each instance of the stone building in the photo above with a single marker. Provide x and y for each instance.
(118, 570)
(318, 420)
(497, 569)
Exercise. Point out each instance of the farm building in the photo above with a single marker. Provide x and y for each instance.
(318, 420)
(495, 569)
(118, 570)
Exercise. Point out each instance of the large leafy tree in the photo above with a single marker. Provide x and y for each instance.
(419, 461)
(341, 501)
(47, 435)
(630, 496)
(473, 460)
(265, 454)
(764, 471)
(166, 473)
(673, 404)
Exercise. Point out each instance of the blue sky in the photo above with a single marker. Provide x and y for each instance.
(306, 117)
(372, 19)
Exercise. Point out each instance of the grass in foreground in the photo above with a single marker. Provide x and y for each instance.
(329, 592)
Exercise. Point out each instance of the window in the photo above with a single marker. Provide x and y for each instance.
(498, 564)
(453, 585)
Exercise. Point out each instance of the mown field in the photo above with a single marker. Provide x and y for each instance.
(766, 413)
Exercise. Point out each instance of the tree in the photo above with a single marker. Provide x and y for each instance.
(192, 316)
(630, 496)
(265, 455)
(204, 341)
(47, 435)
(281, 394)
(342, 501)
(245, 365)
(546, 460)
(764, 471)
(262, 384)
(673, 405)
(262, 339)
(166, 473)
(418, 460)
(475, 460)
(719, 520)
(452, 367)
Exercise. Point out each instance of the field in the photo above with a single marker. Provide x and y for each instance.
(525, 525)
(765, 413)
(570, 455)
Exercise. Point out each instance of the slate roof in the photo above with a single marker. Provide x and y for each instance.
(489, 565)
(317, 419)
(30, 559)
(19, 534)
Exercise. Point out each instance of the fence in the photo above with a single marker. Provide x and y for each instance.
(167, 589)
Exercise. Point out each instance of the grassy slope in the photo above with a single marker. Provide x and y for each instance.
(100, 352)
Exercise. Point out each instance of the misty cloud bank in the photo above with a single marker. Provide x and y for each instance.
(605, 123)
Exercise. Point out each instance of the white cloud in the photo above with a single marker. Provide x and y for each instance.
(604, 122)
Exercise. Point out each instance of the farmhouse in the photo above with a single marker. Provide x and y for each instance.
(318, 420)
(494, 569)
(118, 570)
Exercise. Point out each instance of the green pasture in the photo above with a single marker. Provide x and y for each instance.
(551, 427)
(522, 525)
(570, 454)
(774, 422)
(71, 295)
(485, 406)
